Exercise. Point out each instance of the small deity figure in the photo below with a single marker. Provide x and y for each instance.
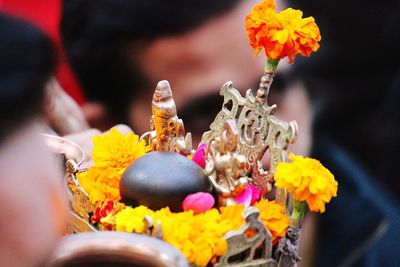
(168, 132)
(225, 167)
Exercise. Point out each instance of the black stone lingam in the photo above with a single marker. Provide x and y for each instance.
(161, 179)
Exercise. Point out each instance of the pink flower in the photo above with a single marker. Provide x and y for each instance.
(245, 197)
(255, 194)
(199, 156)
(198, 202)
(249, 196)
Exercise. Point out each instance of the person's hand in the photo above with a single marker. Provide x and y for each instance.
(62, 112)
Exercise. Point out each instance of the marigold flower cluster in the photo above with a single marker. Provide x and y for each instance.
(104, 214)
(113, 152)
(284, 34)
(274, 217)
(308, 180)
(200, 236)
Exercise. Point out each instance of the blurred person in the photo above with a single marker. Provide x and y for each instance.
(119, 50)
(46, 15)
(31, 202)
(354, 83)
(63, 112)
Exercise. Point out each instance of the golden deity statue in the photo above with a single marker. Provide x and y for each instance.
(225, 167)
(168, 132)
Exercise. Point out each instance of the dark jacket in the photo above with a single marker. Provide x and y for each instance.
(361, 227)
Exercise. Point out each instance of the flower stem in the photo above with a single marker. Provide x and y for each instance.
(266, 80)
(299, 209)
(272, 65)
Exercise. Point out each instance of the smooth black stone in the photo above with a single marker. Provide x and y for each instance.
(160, 179)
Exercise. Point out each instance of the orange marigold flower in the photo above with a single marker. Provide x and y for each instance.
(284, 34)
(308, 180)
(274, 217)
(113, 152)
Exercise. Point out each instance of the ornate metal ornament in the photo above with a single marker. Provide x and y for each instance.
(259, 131)
(151, 228)
(287, 251)
(81, 207)
(257, 248)
(72, 156)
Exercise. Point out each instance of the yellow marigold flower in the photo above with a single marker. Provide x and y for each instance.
(200, 237)
(113, 152)
(116, 150)
(233, 216)
(284, 34)
(308, 180)
(274, 217)
(101, 183)
(131, 219)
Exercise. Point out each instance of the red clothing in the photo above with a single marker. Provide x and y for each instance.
(46, 14)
